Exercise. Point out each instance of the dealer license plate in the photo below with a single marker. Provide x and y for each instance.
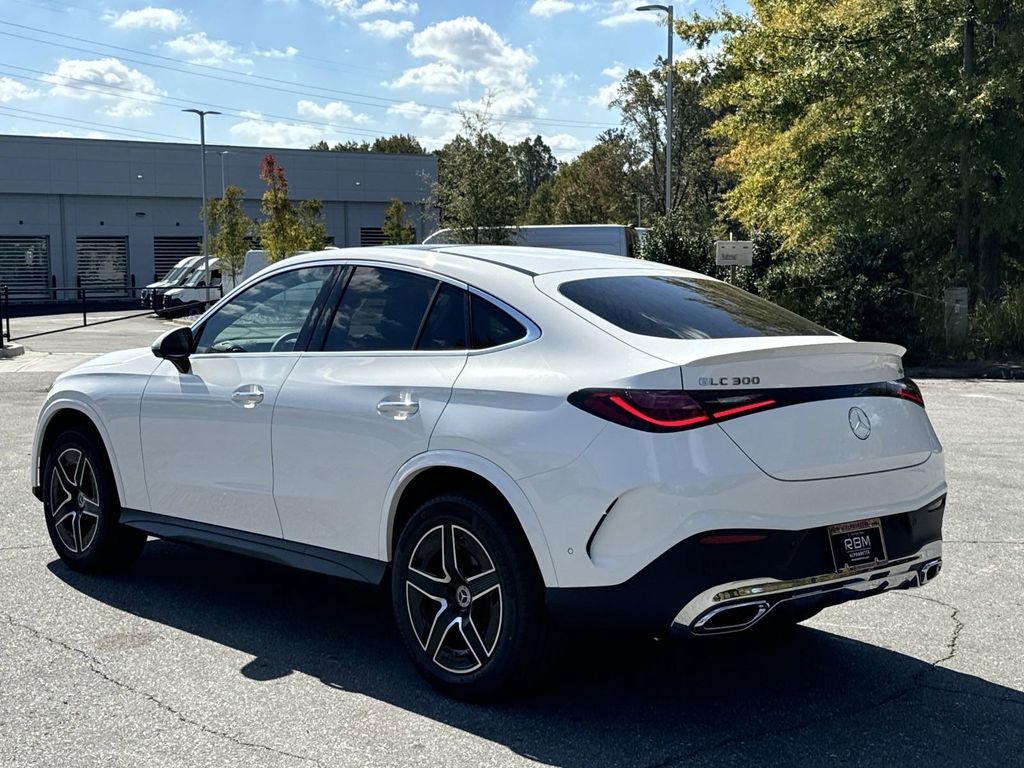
(857, 545)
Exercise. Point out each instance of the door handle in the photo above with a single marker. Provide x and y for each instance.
(398, 409)
(248, 396)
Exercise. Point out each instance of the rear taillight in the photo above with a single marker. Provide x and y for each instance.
(670, 410)
(908, 390)
(664, 410)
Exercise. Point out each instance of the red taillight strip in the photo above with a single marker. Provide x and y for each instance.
(659, 422)
(742, 408)
(907, 394)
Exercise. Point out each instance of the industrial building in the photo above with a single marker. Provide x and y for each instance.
(112, 215)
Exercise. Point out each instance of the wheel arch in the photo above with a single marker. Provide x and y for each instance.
(71, 414)
(428, 473)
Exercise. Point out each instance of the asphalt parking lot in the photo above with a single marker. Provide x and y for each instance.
(196, 658)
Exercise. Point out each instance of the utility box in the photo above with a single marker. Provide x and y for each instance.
(955, 305)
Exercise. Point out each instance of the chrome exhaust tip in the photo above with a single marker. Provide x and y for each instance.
(930, 571)
(731, 618)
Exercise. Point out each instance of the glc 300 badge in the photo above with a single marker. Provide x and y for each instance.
(860, 424)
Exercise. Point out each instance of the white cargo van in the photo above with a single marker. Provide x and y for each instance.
(193, 291)
(616, 239)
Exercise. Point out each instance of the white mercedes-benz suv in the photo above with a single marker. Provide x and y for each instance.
(506, 436)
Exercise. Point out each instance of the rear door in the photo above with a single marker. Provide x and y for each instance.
(206, 434)
(363, 401)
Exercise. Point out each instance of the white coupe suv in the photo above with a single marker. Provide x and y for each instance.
(504, 436)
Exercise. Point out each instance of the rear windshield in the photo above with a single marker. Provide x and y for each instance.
(672, 307)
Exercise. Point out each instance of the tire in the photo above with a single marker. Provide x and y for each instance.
(478, 634)
(81, 506)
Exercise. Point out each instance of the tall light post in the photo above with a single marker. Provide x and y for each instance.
(206, 224)
(223, 185)
(668, 9)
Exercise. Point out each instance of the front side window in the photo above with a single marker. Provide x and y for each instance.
(670, 307)
(267, 317)
(380, 310)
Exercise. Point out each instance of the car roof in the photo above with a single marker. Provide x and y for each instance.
(468, 261)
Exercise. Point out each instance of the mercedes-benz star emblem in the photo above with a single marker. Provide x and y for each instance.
(463, 596)
(860, 423)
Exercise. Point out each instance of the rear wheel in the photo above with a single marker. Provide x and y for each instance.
(467, 598)
(81, 507)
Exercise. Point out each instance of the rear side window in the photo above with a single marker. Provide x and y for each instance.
(672, 307)
(380, 310)
(445, 327)
(493, 326)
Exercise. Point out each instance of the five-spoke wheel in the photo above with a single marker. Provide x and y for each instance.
(467, 597)
(82, 508)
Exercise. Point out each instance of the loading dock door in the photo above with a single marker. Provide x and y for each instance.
(168, 251)
(103, 265)
(25, 267)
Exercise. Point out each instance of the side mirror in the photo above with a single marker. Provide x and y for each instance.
(176, 346)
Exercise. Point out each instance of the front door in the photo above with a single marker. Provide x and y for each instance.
(206, 434)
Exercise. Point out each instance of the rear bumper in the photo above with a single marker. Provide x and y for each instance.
(686, 589)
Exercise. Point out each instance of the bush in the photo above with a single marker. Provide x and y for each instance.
(860, 288)
(672, 241)
(997, 327)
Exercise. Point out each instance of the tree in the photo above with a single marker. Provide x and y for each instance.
(596, 187)
(477, 189)
(535, 164)
(871, 118)
(284, 230)
(398, 144)
(396, 230)
(231, 228)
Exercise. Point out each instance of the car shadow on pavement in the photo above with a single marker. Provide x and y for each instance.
(811, 699)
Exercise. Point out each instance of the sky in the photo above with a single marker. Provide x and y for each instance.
(288, 73)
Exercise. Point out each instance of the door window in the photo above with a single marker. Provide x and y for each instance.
(268, 317)
(445, 327)
(380, 310)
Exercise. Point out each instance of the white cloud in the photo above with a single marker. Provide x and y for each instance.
(619, 12)
(12, 90)
(62, 134)
(276, 134)
(276, 53)
(616, 71)
(107, 80)
(548, 8)
(331, 112)
(197, 48)
(559, 82)
(435, 77)
(361, 8)
(148, 18)
(386, 28)
(466, 50)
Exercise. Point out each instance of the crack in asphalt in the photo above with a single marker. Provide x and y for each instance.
(917, 682)
(1010, 542)
(95, 666)
(23, 546)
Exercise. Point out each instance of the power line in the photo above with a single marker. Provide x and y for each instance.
(291, 90)
(104, 89)
(70, 122)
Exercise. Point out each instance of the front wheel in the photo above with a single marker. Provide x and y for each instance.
(467, 598)
(82, 508)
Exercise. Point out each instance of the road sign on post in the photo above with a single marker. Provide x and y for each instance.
(734, 253)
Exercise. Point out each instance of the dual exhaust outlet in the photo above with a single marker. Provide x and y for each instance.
(742, 615)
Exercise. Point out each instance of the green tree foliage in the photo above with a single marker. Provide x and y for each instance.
(397, 144)
(535, 164)
(284, 230)
(596, 187)
(674, 240)
(396, 230)
(231, 228)
(477, 188)
(859, 118)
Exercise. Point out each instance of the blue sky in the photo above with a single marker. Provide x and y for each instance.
(287, 73)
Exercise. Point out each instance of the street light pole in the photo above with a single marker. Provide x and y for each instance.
(206, 224)
(670, 10)
(223, 184)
